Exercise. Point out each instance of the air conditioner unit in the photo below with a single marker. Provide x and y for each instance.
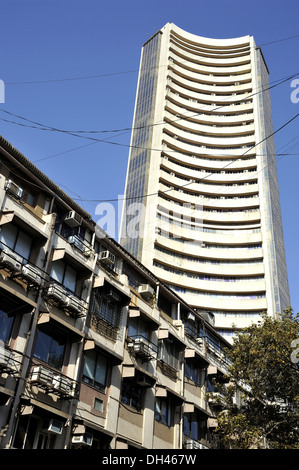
(10, 260)
(73, 219)
(63, 385)
(146, 290)
(75, 304)
(32, 274)
(53, 426)
(79, 244)
(83, 439)
(14, 189)
(190, 316)
(57, 292)
(42, 375)
(107, 257)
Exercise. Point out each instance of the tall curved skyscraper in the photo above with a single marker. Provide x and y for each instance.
(202, 180)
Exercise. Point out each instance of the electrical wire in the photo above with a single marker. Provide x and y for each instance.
(45, 127)
(88, 77)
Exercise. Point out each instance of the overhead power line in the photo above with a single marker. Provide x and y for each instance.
(81, 134)
(89, 77)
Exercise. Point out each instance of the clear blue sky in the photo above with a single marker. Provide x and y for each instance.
(46, 41)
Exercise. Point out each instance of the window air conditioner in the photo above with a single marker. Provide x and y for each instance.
(42, 375)
(107, 257)
(79, 244)
(57, 292)
(73, 219)
(53, 426)
(190, 316)
(10, 260)
(62, 385)
(83, 439)
(32, 274)
(73, 303)
(14, 189)
(146, 290)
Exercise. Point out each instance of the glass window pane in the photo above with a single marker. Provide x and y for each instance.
(100, 371)
(42, 346)
(57, 271)
(23, 245)
(5, 326)
(70, 278)
(89, 365)
(56, 354)
(8, 236)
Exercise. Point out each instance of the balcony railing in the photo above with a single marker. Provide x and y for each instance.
(142, 347)
(53, 382)
(65, 299)
(10, 361)
(19, 268)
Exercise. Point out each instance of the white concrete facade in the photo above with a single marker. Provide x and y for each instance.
(202, 169)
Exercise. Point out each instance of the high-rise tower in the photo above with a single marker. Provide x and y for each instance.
(202, 180)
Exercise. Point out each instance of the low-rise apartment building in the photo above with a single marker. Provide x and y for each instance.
(95, 350)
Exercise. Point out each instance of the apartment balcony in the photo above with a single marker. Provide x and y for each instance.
(52, 382)
(10, 361)
(141, 347)
(204, 87)
(192, 263)
(191, 248)
(196, 57)
(65, 300)
(211, 168)
(209, 129)
(191, 444)
(15, 208)
(197, 106)
(74, 248)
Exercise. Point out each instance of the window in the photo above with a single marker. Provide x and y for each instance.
(137, 327)
(169, 352)
(195, 426)
(95, 370)
(50, 348)
(131, 394)
(163, 411)
(194, 371)
(16, 239)
(65, 274)
(106, 309)
(6, 322)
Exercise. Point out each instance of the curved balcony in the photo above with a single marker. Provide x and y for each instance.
(208, 129)
(189, 247)
(209, 79)
(192, 263)
(180, 230)
(206, 188)
(196, 106)
(205, 150)
(176, 86)
(210, 286)
(207, 118)
(207, 302)
(204, 87)
(196, 57)
(222, 92)
(211, 170)
(184, 195)
(189, 138)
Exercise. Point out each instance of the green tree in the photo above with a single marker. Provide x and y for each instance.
(264, 367)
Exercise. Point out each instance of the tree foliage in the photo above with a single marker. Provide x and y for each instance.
(264, 368)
